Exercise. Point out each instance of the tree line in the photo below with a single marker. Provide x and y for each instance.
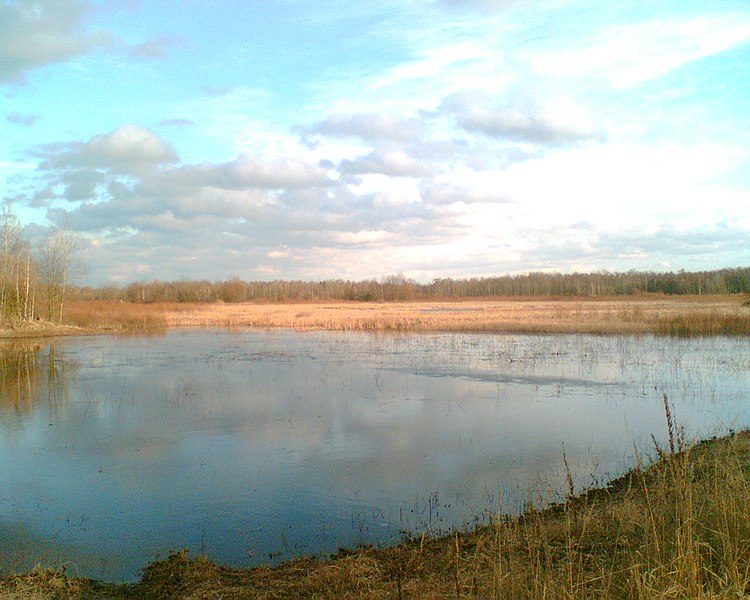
(34, 284)
(399, 288)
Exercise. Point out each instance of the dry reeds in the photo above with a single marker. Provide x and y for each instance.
(103, 316)
(570, 315)
(40, 584)
(680, 316)
(710, 323)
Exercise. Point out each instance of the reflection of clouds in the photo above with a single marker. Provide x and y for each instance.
(261, 432)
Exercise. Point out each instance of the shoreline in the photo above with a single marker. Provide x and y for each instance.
(42, 329)
(621, 315)
(552, 547)
(658, 315)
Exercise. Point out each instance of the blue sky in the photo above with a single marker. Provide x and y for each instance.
(437, 138)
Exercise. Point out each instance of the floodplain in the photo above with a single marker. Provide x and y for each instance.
(686, 315)
(435, 423)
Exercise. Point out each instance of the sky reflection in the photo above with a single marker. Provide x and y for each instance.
(255, 446)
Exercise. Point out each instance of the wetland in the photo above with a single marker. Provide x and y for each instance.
(258, 446)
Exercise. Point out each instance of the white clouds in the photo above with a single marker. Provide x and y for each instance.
(434, 62)
(45, 32)
(627, 55)
(371, 127)
(460, 142)
(124, 149)
(443, 56)
(364, 238)
(130, 145)
(466, 192)
(253, 171)
(41, 32)
(563, 207)
(558, 120)
(615, 186)
(394, 162)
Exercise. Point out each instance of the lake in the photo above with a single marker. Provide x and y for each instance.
(257, 446)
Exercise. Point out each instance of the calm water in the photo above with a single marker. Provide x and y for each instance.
(257, 446)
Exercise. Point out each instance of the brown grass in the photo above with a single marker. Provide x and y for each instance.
(115, 316)
(661, 315)
(705, 323)
(657, 314)
(679, 528)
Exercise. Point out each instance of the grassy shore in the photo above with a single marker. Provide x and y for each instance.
(670, 315)
(676, 528)
(660, 315)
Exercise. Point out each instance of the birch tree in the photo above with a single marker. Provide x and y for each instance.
(59, 266)
(15, 268)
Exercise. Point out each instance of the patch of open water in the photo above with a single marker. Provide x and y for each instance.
(256, 446)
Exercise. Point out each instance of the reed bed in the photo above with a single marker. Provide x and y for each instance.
(115, 317)
(710, 323)
(659, 315)
(675, 527)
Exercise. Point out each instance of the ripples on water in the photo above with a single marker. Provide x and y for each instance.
(258, 446)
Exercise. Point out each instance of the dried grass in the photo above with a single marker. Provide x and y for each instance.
(661, 315)
(559, 315)
(707, 323)
(39, 584)
(115, 317)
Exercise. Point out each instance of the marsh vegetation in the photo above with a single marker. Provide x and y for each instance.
(661, 315)
(682, 316)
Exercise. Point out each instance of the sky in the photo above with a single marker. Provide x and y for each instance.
(285, 139)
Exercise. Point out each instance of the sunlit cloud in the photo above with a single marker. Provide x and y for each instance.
(627, 55)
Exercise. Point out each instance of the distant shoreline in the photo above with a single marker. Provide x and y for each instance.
(654, 314)
(686, 315)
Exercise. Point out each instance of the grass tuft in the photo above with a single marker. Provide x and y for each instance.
(701, 324)
(40, 584)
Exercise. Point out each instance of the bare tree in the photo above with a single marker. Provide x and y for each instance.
(59, 266)
(15, 268)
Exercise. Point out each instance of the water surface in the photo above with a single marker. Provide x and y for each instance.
(257, 446)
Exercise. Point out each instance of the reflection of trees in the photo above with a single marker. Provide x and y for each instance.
(29, 373)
